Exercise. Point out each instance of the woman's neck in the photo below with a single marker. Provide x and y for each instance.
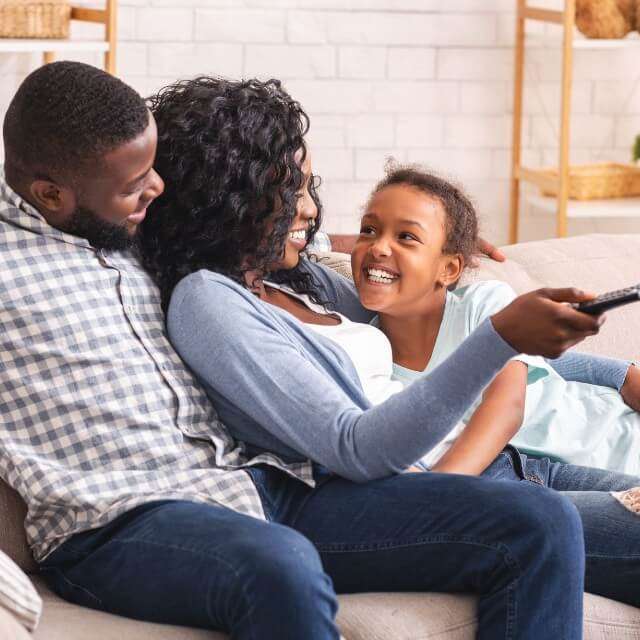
(413, 335)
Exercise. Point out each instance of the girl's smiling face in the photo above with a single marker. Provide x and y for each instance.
(398, 263)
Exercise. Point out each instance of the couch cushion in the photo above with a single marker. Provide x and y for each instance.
(597, 262)
(369, 616)
(17, 594)
(64, 621)
(10, 628)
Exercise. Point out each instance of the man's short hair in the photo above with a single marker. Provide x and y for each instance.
(66, 114)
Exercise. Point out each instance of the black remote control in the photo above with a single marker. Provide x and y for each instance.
(609, 300)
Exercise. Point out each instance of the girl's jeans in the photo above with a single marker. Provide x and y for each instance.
(517, 545)
(611, 532)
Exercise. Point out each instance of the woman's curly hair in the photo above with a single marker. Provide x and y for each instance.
(230, 154)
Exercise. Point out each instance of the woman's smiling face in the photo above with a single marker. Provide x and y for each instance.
(306, 214)
(397, 261)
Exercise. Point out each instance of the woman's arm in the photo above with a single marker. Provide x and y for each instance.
(492, 425)
(260, 377)
(255, 365)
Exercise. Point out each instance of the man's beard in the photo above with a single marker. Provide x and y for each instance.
(85, 223)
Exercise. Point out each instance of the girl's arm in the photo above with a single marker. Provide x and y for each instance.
(584, 367)
(492, 425)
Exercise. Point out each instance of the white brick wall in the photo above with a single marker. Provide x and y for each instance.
(419, 80)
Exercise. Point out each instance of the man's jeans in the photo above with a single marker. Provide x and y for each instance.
(611, 532)
(515, 544)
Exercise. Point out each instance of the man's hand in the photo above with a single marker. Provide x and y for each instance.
(538, 323)
(491, 251)
(630, 391)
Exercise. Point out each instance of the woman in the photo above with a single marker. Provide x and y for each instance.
(224, 245)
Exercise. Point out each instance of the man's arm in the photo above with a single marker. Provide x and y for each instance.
(490, 250)
(492, 425)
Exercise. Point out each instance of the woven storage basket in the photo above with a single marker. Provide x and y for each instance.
(593, 181)
(28, 19)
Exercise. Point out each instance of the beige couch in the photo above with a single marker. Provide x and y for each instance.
(598, 262)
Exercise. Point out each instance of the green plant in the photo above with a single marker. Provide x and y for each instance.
(636, 149)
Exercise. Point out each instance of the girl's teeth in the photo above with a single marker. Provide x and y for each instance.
(380, 276)
(298, 235)
(380, 280)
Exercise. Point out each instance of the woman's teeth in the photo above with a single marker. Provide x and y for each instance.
(380, 276)
(298, 235)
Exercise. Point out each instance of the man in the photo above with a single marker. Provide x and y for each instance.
(120, 456)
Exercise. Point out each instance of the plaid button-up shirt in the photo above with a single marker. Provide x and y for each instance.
(98, 414)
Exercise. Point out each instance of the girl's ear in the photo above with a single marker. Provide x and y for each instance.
(450, 269)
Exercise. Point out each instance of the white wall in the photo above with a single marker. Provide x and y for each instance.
(421, 80)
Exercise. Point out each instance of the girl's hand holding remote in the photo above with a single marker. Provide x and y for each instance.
(539, 323)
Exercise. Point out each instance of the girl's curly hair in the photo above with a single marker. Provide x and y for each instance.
(230, 154)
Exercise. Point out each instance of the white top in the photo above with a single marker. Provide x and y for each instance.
(367, 347)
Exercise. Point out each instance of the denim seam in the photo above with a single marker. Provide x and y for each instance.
(92, 595)
(511, 611)
(634, 556)
(440, 539)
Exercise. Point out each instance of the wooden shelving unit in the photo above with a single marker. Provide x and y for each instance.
(49, 48)
(564, 209)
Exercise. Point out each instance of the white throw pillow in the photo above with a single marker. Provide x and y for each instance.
(17, 593)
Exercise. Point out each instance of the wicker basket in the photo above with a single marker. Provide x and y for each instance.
(593, 181)
(28, 19)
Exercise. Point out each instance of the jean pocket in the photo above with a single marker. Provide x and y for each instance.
(506, 466)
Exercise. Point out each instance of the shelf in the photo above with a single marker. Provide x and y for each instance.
(23, 45)
(613, 208)
(544, 42)
(618, 43)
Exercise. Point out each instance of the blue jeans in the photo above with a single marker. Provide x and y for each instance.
(517, 545)
(611, 532)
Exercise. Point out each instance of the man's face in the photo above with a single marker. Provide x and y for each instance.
(111, 202)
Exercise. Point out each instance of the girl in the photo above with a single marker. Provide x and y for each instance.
(417, 235)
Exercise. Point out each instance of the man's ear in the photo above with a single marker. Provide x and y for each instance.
(52, 200)
(450, 269)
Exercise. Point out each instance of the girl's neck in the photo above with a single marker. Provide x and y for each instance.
(413, 335)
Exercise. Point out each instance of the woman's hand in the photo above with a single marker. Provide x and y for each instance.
(630, 390)
(538, 323)
(491, 251)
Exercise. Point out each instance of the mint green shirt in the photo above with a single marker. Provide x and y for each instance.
(569, 421)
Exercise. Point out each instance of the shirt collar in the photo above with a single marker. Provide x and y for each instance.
(17, 211)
